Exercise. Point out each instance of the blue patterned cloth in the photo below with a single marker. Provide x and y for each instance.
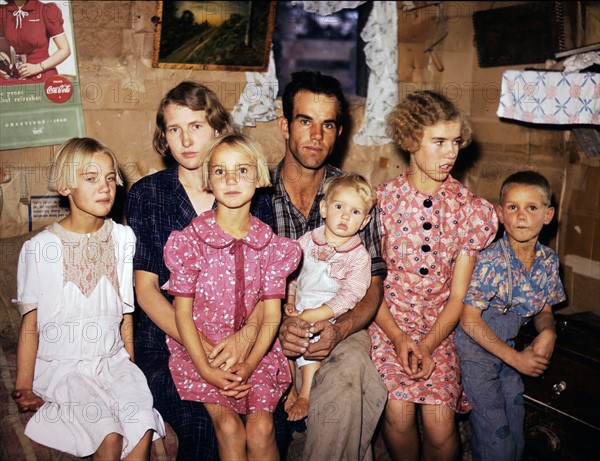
(531, 290)
(495, 389)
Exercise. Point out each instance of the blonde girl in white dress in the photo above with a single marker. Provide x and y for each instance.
(74, 291)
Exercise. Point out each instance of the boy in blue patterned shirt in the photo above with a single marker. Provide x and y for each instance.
(515, 278)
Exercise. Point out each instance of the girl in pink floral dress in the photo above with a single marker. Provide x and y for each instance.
(434, 227)
(222, 265)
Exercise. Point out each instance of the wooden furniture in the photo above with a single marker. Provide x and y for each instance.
(562, 415)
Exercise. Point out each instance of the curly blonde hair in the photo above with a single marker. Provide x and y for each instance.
(420, 109)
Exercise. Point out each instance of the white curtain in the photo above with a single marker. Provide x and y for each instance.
(381, 51)
(258, 100)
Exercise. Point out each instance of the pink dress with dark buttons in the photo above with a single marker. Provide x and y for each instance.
(424, 236)
(227, 278)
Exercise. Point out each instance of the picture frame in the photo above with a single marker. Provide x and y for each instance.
(213, 35)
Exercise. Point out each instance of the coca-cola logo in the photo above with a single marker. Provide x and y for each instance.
(58, 89)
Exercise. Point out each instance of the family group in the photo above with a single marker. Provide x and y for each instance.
(272, 299)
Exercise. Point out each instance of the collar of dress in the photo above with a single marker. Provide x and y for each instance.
(318, 237)
(30, 5)
(101, 235)
(211, 234)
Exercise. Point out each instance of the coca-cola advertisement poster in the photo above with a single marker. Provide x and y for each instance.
(40, 98)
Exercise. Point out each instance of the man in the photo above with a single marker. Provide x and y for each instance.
(347, 395)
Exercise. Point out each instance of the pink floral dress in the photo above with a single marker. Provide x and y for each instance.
(227, 278)
(424, 236)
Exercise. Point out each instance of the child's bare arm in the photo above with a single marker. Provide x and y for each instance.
(543, 344)
(409, 355)
(27, 348)
(290, 306)
(127, 334)
(236, 347)
(192, 341)
(317, 314)
(450, 314)
(266, 334)
(526, 361)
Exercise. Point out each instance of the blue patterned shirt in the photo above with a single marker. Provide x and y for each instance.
(531, 291)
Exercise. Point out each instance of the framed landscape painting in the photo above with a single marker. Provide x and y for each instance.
(201, 35)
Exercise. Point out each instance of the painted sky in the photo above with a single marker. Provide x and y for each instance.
(213, 12)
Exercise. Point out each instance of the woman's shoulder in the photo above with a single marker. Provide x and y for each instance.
(51, 11)
(123, 231)
(155, 183)
(48, 6)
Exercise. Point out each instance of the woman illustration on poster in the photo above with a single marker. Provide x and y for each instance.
(27, 26)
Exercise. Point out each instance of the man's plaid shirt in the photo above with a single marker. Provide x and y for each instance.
(289, 222)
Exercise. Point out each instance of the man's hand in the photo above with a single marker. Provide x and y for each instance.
(27, 400)
(294, 334)
(329, 338)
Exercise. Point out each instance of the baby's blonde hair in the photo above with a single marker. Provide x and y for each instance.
(241, 143)
(72, 157)
(354, 181)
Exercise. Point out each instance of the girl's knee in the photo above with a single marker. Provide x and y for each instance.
(110, 448)
(439, 424)
(400, 415)
(226, 422)
(230, 428)
(260, 425)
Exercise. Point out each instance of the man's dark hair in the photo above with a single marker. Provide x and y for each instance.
(317, 83)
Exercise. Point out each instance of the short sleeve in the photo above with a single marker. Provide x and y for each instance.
(556, 291)
(480, 224)
(283, 257)
(126, 254)
(53, 19)
(484, 284)
(28, 277)
(183, 258)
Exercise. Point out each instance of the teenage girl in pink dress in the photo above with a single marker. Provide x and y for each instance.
(434, 227)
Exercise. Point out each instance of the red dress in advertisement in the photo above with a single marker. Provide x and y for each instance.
(28, 30)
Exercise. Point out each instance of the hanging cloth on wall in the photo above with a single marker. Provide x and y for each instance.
(381, 51)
